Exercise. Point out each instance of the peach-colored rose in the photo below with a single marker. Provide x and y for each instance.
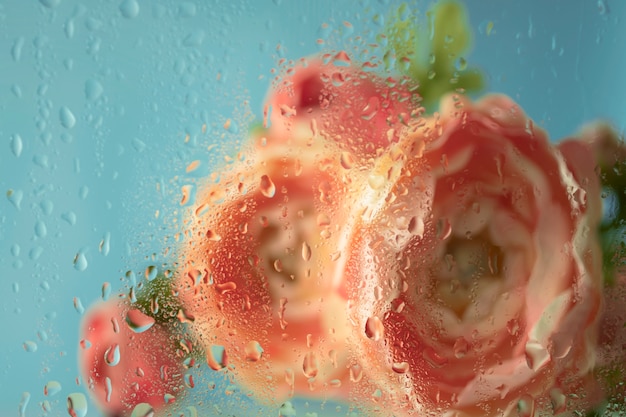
(123, 368)
(258, 266)
(477, 290)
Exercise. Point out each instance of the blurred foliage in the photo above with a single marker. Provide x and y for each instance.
(433, 55)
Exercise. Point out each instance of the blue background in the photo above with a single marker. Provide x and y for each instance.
(140, 88)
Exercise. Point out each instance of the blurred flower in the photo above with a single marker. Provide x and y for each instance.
(478, 290)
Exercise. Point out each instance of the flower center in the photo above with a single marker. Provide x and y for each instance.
(469, 268)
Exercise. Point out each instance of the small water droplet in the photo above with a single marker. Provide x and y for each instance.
(225, 287)
(187, 9)
(93, 89)
(138, 145)
(537, 355)
(106, 291)
(287, 410)
(356, 373)
(129, 9)
(15, 197)
(23, 403)
(51, 388)
(217, 358)
(112, 355)
(347, 160)
(30, 346)
(268, 189)
(16, 145)
(77, 405)
(558, 401)
(433, 358)
(142, 410)
(461, 347)
(306, 251)
(105, 244)
(151, 272)
(444, 229)
(212, 236)
(78, 305)
(50, 3)
(68, 120)
(69, 217)
(254, 351)
(526, 406)
(374, 328)
(41, 230)
(309, 365)
(80, 262)
(138, 321)
(195, 38)
(400, 367)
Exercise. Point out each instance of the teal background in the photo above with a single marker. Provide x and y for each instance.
(138, 85)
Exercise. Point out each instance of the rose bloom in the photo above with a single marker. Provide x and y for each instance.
(343, 103)
(477, 289)
(122, 368)
(258, 267)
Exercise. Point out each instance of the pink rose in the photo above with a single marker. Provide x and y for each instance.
(334, 98)
(477, 290)
(123, 368)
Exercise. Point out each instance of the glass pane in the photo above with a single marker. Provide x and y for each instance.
(312, 208)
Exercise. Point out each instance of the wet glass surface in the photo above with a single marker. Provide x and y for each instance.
(115, 114)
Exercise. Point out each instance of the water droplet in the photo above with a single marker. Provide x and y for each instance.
(287, 410)
(268, 189)
(129, 9)
(433, 358)
(16, 145)
(105, 244)
(254, 351)
(93, 89)
(138, 321)
(69, 217)
(112, 355)
(347, 160)
(309, 365)
(68, 120)
(151, 272)
(225, 287)
(142, 410)
(30, 346)
(16, 287)
(138, 145)
(78, 305)
(356, 373)
(194, 38)
(212, 236)
(376, 181)
(444, 229)
(23, 403)
(51, 388)
(41, 230)
(537, 355)
(106, 291)
(35, 253)
(187, 9)
(374, 328)
(461, 347)
(50, 3)
(80, 261)
(558, 401)
(217, 358)
(416, 226)
(77, 405)
(306, 251)
(46, 206)
(400, 367)
(526, 406)
(15, 197)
